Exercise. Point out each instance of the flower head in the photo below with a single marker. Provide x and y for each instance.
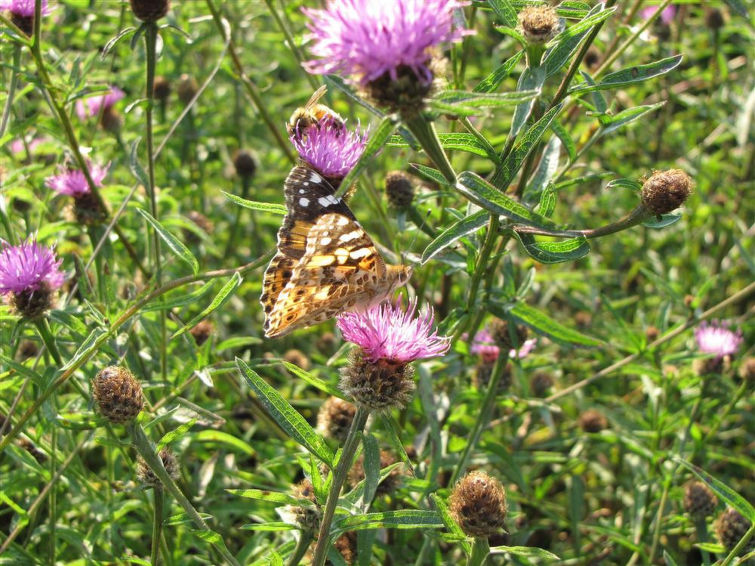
(27, 267)
(329, 147)
(23, 8)
(72, 182)
(18, 146)
(478, 504)
(371, 38)
(715, 338)
(93, 105)
(484, 345)
(387, 332)
(667, 15)
(117, 394)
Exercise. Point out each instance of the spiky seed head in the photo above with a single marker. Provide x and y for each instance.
(699, 500)
(298, 358)
(389, 484)
(539, 24)
(307, 517)
(399, 189)
(117, 394)
(161, 88)
(665, 191)
(478, 503)
(148, 477)
(245, 164)
(377, 385)
(149, 10)
(730, 528)
(334, 418)
(187, 88)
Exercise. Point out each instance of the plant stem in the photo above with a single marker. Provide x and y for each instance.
(737, 397)
(52, 500)
(44, 332)
(424, 131)
(741, 545)
(480, 552)
(483, 416)
(339, 478)
(290, 41)
(11, 89)
(150, 40)
(302, 545)
(157, 525)
(147, 451)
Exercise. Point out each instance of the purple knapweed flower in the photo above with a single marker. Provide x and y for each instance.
(27, 267)
(484, 345)
(17, 146)
(93, 105)
(329, 147)
(23, 8)
(388, 332)
(667, 15)
(715, 338)
(72, 182)
(368, 39)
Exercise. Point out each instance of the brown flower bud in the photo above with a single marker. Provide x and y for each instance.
(298, 358)
(187, 88)
(202, 331)
(334, 418)
(730, 528)
(699, 500)
(592, 420)
(665, 191)
(399, 189)
(148, 477)
(245, 164)
(117, 394)
(478, 503)
(539, 24)
(32, 303)
(161, 88)
(380, 385)
(149, 10)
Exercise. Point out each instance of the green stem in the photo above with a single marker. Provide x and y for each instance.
(157, 525)
(701, 531)
(150, 40)
(302, 545)
(11, 89)
(722, 418)
(146, 450)
(483, 416)
(636, 216)
(339, 478)
(424, 131)
(290, 41)
(251, 88)
(480, 552)
(52, 499)
(101, 288)
(44, 332)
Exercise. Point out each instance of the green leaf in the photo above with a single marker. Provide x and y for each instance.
(563, 135)
(525, 552)
(220, 299)
(612, 123)
(540, 322)
(136, 168)
(321, 384)
(554, 252)
(403, 519)
(270, 207)
(285, 415)
(220, 437)
(545, 171)
(728, 495)
(451, 524)
(173, 435)
(277, 497)
(505, 12)
(531, 79)
(371, 466)
(175, 245)
(494, 79)
(376, 142)
(483, 194)
(462, 228)
(624, 183)
(430, 174)
(509, 168)
(460, 141)
(663, 221)
(466, 103)
(567, 42)
(631, 75)
(739, 7)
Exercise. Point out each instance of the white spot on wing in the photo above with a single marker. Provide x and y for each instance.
(314, 177)
(363, 252)
(325, 241)
(353, 235)
(303, 202)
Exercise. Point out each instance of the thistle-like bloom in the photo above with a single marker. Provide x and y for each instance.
(373, 38)
(27, 268)
(329, 148)
(387, 332)
(715, 338)
(93, 105)
(23, 8)
(17, 146)
(484, 345)
(72, 182)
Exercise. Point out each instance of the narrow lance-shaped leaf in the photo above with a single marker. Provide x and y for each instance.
(494, 79)
(539, 321)
(285, 415)
(509, 168)
(220, 299)
(466, 103)
(505, 12)
(272, 208)
(462, 228)
(374, 144)
(631, 75)
(174, 244)
(459, 141)
(402, 519)
(531, 79)
(570, 249)
(726, 493)
(613, 123)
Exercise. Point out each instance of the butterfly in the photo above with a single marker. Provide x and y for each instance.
(326, 263)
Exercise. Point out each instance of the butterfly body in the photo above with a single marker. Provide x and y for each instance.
(326, 263)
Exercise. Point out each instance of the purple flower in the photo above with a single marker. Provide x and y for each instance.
(716, 338)
(17, 146)
(329, 147)
(387, 332)
(484, 345)
(93, 105)
(369, 38)
(27, 267)
(667, 15)
(72, 182)
(23, 8)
